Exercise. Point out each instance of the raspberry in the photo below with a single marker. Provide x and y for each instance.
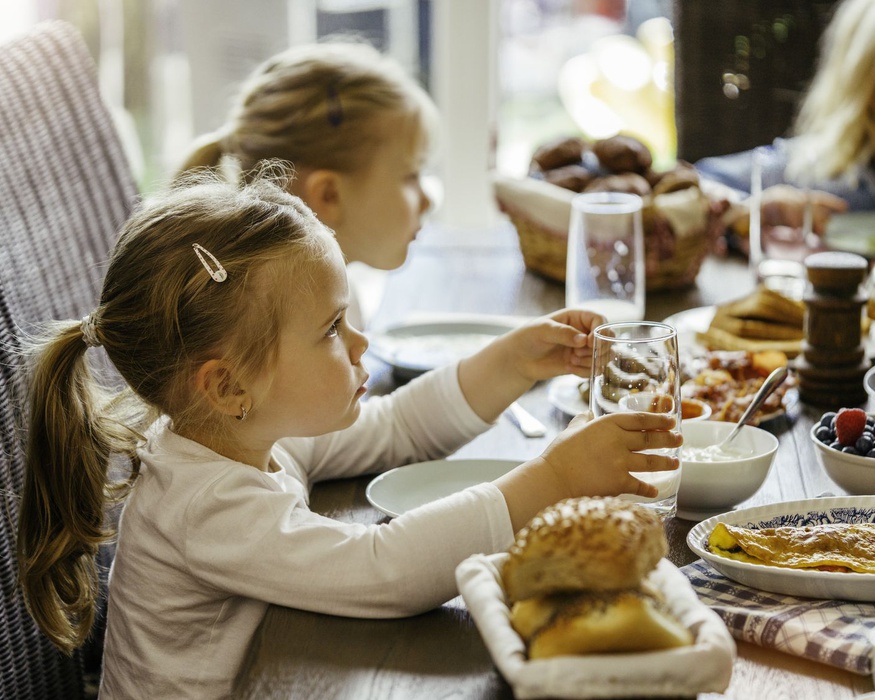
(849, 424)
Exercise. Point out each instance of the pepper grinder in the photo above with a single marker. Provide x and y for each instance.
(833, 360)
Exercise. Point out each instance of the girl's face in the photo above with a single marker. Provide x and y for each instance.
(382, 205)
(318, 378)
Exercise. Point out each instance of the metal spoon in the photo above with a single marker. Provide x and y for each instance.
(773, 381)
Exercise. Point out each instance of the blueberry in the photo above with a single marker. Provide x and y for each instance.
(836, 445)
(823, 434)
(827, 418)
(871, 453)
(864, 444)
(850, 449)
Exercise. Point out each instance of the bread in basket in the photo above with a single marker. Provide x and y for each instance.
(681, 223)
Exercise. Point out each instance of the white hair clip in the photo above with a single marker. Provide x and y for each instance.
(218, 274)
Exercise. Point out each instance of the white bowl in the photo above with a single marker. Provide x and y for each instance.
(854, 473)
(708, 486)
(869, 382)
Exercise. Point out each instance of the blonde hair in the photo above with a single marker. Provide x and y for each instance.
(160, 316)
(836, 121)
(317, 106)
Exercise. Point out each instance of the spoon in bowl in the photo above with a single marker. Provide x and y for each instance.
(773, 381)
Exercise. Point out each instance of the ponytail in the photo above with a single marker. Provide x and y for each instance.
(206, 152)
(61, 524)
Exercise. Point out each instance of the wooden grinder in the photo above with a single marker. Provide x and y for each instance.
(833, 359)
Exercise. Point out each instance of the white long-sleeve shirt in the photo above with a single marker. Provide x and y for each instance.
(206, 543)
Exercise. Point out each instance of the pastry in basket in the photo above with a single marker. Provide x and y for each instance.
(571, 177)
(576, 579)
(630, 183)
(622, 153)
(681, 222)
(826, 547)
(558, 153)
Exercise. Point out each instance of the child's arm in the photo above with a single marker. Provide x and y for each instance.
(560, 343)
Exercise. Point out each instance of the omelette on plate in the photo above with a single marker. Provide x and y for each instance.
(825, 547)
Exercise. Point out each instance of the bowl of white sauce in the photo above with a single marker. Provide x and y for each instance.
(717, 479)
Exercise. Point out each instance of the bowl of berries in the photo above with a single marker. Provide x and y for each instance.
(845, 444)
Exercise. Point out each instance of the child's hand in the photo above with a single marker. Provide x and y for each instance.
(560, 343)
(592, 458)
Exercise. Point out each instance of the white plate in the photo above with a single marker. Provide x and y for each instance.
(417, 347)
(563, 394)
(796, 582)
(688, 323)
(405, 488)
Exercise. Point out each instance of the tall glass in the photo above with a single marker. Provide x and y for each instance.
(605, 264)
(777, 251)
(639, 360)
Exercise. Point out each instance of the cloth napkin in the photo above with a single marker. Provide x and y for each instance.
(549, 205)
(836, 632)
(705, 666)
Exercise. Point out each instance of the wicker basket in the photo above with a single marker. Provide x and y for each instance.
(672, 262)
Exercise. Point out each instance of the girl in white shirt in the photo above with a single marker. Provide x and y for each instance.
(223, 310)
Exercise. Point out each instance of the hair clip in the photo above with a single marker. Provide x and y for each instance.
(335, 111)
(219, 274)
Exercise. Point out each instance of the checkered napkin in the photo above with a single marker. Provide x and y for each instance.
(836, 632)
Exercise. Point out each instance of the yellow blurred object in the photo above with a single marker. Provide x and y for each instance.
(624, 84)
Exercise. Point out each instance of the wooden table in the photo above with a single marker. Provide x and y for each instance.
(440, 654)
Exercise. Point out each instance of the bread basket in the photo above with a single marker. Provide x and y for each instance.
(680, 229)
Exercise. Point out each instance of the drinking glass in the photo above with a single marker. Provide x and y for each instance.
(777, 251)
(639, 360)
(605, 264)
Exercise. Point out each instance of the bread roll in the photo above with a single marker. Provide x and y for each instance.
(678, 179)
(559, 152)
(586, 543)
(630, 183)
(572, 177)
(623, 154)
(587, 623)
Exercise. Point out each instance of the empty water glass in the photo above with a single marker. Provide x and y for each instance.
(777, 250)
(605, 268)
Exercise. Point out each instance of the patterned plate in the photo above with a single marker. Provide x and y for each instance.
(797, 582)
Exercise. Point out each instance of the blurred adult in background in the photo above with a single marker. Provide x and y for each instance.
(356, 129)
(832, 149)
